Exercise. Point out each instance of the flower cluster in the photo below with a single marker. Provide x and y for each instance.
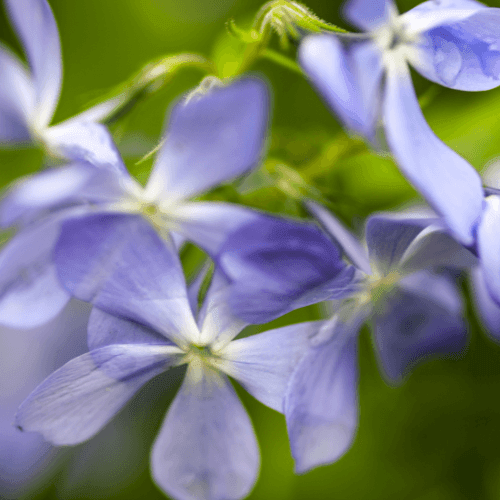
(86, 229)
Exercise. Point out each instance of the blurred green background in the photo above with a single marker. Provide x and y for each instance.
(435, 437)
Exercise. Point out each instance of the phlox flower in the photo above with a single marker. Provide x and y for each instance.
(365, 79)
(211, 137)
(145, 322)
(414, 312)
(28, 99)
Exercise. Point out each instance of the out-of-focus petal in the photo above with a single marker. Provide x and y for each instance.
(419, 319)
(16, 99)
(321, 406)
(206, 448)
(88, 142)
(30, 293)
(195, 285)
(464, 55)
(77, 400)
(263, 363)
(211, 138)
(488, 246)
(450, 184)
(37, 29)
(274, 263)
(488, 309)
(351, 245)
(368, 14)
(348, 76)
(100, 261)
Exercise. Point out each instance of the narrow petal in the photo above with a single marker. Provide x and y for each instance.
(195, 285)
(211, 138)
(321, 406)
(488, 245)
(263, 363)
(463, 55)
(37, 29)
(389, 236)
(275, 265)
(16, 99)
(30, 293)
(349, 243)
(348, 76)
(444, 178)
(419, 320)
(99, 261)
(206, 448)
(85, 141)
(487, 308)
(369, 14)
(80, 398)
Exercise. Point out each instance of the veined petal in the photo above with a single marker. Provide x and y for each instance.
(30, 293)
(321, 405)
(369, 14)
(463, 55)
(488, 309)
(85, 141)
(99, 260)
(350, 244)
(16, 99)
(37, 29)
(263, 363)
(488, 246)
(420, 319)
(348, 76)
(80, 398)
(206, 448)
(445, 179)
(211, 138)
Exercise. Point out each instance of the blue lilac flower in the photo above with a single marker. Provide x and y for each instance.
(28, 98)
(145, 322)
(211, 137)
(415, 312)
(365, 79)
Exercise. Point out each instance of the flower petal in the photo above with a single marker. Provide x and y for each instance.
(463, 55)
(263, 363)
(420, 319)
(79, 399)
(368, 14)
(30, 293)
(488, 309)
(321, 406)
(211, 138)
(37, 29)
(85, 141)
(206, 448)
(16, 99)
(348, 76)
(444, 178)
(99, 260)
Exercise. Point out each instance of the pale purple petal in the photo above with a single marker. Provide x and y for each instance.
(488, 245)
(195, 285)
(450, 184)
(79, 399)
(420, 319)
(30, 293)
(321, 406)
(463, 55)
(348, 76)
(263, 363)
(100, 261)
(206, 448)
(349, 243)
(487, 308)
(37, 29)
(368, 14)
(211, 138)
(85, 141)
(16, 99)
